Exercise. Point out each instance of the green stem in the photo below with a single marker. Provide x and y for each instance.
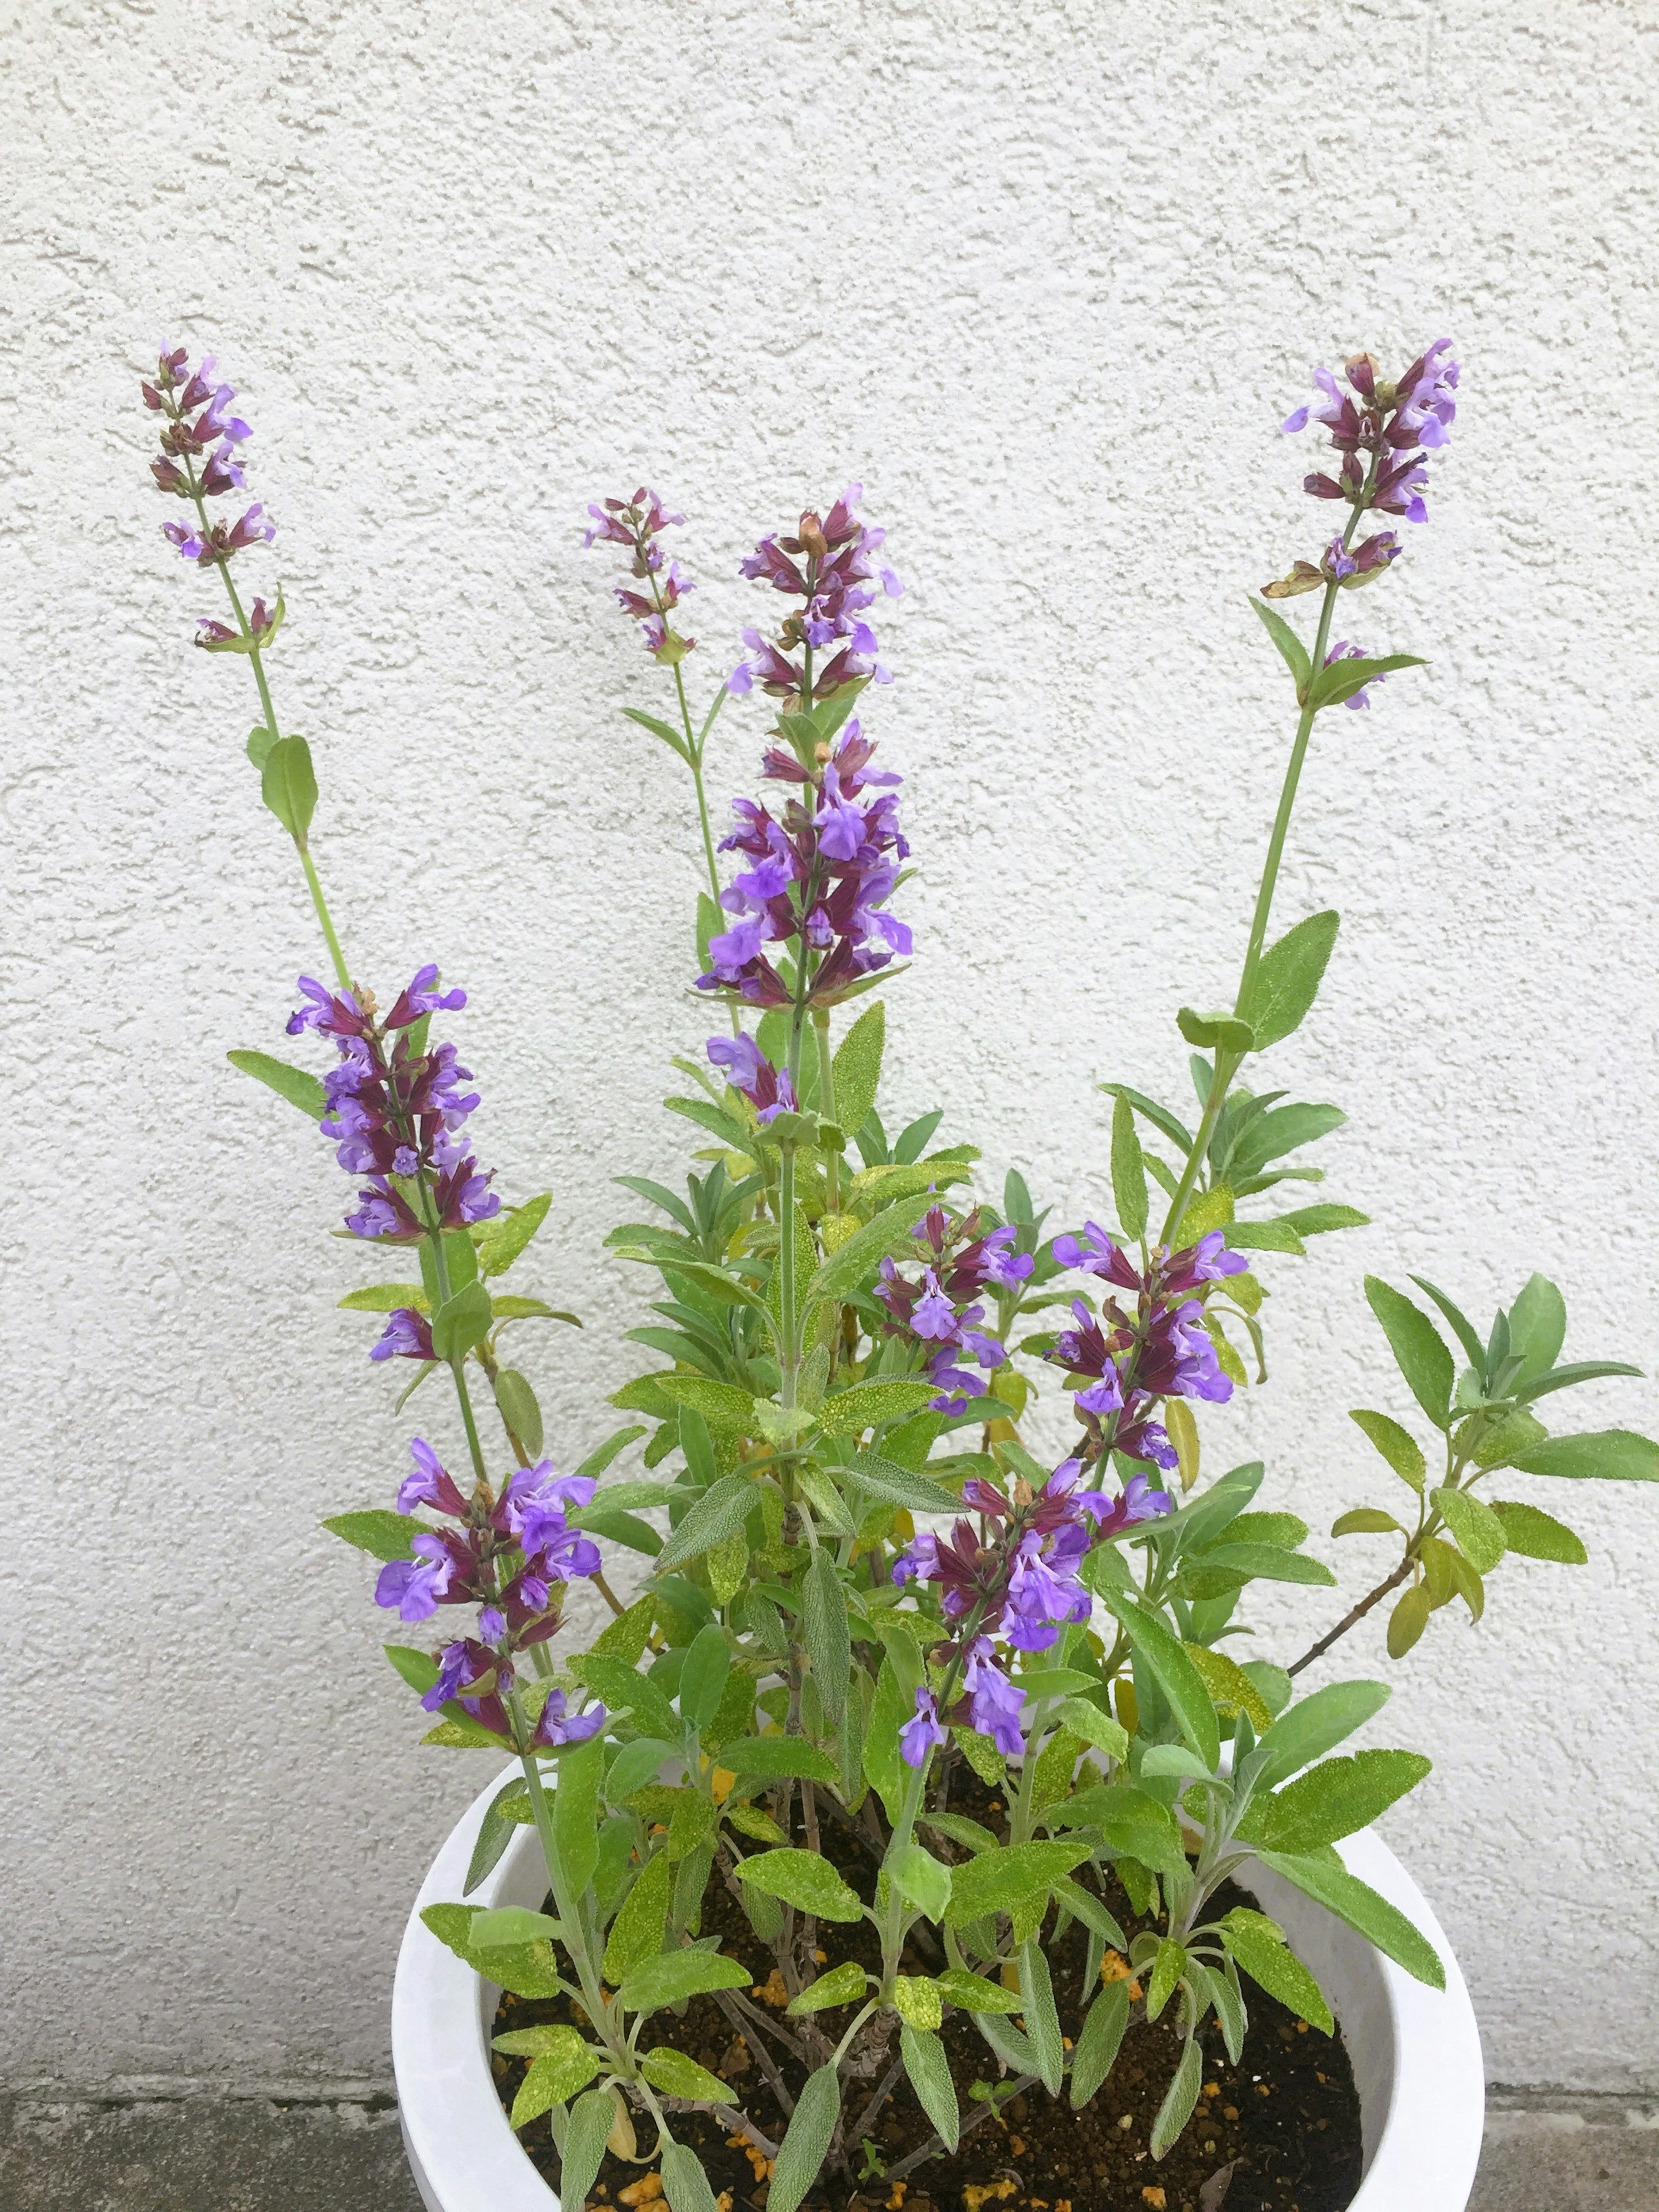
(1227, 1065)
(323, 915)
(903, 1829)
(570, 1919)
(789, 1351)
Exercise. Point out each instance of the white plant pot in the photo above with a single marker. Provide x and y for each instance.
(1415, 2051)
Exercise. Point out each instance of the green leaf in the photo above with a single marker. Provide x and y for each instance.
(506, 1925)
(1098, 2044)
(1135, 1825)
(508, 1236)
(461, 1321)
(1409, 1619)
(637, 1933)
(1323, 1876)
(1168, 1967)
(292, 1084)
(917, 2001)
(1333, 1800)
(673, 1975)
(1565, 1378)
(665, 2067)
(288, 784)
(554, 2079)
(626, 1636)
(714, 1517)
(1083, 1904)
(868, 1404)
(1262, 1236)
(576, 1811)
(673, 738)
(624, 1687)
(1462, 1328)
(1399, 1448)
(259, 741)
(1001, 1880)
(1340, 679)
(1287, 981)
(1259, 1946)
(1600, 1456)
(1538, 1328)
(1313, 1725)
(856, 1067)
(519, 1409)
(1181, 2095)
(843, 1984)
(1320, 1220)
(778, 1759)
(1477, 1530)
(1232, 1690)
(382, 1533)
(1161, 1119)
(1532, 1534)
(828, 1639)
(418, 1669)
(929, 2071)
(702, 1676)
(727, 1411)
(509, 1808)
(1418, 1350)
(1291, 650)
(894, 1485)
(1366, 1520)
(1265, 1563)
(684, 2178)
(804, 1879)
(1096, 1728)
(1174, 1671)
(535, 2042)
(974, 1993)
(587, 2131)
(1225, 1031)
(802, 2151)
(847, 1266)
(922, 1881)
(1128, 1171)
(1042, 2019)
(528, 1970)
(386, 1297)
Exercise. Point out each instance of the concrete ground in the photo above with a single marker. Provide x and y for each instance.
(1544, 2153)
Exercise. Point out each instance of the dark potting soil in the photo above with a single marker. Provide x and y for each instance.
(1278, 2133)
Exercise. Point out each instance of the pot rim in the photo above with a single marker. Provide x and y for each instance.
(465, 2157)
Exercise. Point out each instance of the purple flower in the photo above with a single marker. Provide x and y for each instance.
(768, 1089)
(532, 1508)
(415, 1586)
(924, 1733)
(556, 1727)
(492, 1625)
(1043, 1592)
(406, 1336)
(430, 1483)
(1137, 1502)
(994, 1703)
(462, 1668)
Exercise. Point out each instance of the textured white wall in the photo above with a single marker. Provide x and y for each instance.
(1045, 276)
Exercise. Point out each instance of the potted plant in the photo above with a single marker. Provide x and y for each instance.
(911, 1834)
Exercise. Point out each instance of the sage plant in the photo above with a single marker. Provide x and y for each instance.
(853, 1589)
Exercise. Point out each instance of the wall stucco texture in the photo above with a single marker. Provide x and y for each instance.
(1044, 278)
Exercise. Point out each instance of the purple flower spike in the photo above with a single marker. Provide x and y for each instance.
(923, 1734)
(1382, 432)
(636, 523)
